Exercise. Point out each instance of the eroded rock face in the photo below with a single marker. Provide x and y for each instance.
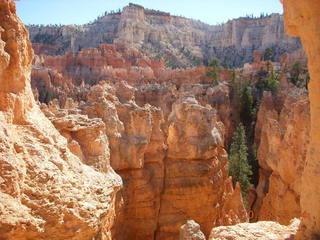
(179, 41)
(253, 231)
(302, 19)
(164, 164)
(46, 191)
(196, 162)
(282, 136)
(191, 231)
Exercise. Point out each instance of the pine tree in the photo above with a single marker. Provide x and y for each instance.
(239, 167)
(267, 54)
(246, 103)
(214, 72)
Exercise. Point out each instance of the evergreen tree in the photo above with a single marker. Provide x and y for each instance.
(295, 74)
(214, 72)
(239, 167)
(246, 103)
(267, 54)
(267, 81)
(234, 75)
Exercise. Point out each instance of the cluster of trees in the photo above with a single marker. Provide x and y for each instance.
(262, 15)
(194, 60)
(43, 25)
(298, 75)
(243, 163)
(45, 96)
(239, 167)
(267, 81)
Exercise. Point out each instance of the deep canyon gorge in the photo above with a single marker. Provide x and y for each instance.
(120, 129)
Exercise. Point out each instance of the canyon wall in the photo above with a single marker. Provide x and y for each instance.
(282, 137)
(46, 191)
(165, 162)
(57, 178)
(179, 41)
(302, 19)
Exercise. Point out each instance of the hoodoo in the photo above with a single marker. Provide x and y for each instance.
(144, 125)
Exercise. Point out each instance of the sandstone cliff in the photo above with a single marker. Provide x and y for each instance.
(302, 19)
(165, 164)
(46, 191)
(282, 137)
(179, 41)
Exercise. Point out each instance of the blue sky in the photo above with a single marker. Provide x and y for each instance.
(83, 11)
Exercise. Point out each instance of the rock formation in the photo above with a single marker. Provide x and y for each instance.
(179, 41)
(165, 136)
(282, 136)
(254, 231)
(164, 164)
(46, 191)
(191, 231)
(302, 19)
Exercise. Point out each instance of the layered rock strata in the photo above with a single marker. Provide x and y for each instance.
(178, 40)
(282, 137)
(301, 19)
(165, 165)
(46, 191)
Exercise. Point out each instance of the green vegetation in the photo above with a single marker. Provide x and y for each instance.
(193, 59)
(239, 167)
(172, 64)
(254, 163)
(246, 103)
(234, 75)
(296, 73)
(267, 80)
(214, 71)
(268, 54)
(45, 96)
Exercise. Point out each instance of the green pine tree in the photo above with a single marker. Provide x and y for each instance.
(239, 167)
(246, 103)
(214, 71)
(267, 54)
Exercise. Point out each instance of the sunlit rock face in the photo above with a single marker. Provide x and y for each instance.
(165, 164)
(178, 40)
(46, 191)
(282, 137)
(302, 19)
(259, 230)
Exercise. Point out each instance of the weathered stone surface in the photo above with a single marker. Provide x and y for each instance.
(254, 231)
(165, 164)
(191, 231)
(188, 135)
(196, 162)
(138, 148)
(282, 135)
(302, 19)
(178, 40)
(46, 191)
